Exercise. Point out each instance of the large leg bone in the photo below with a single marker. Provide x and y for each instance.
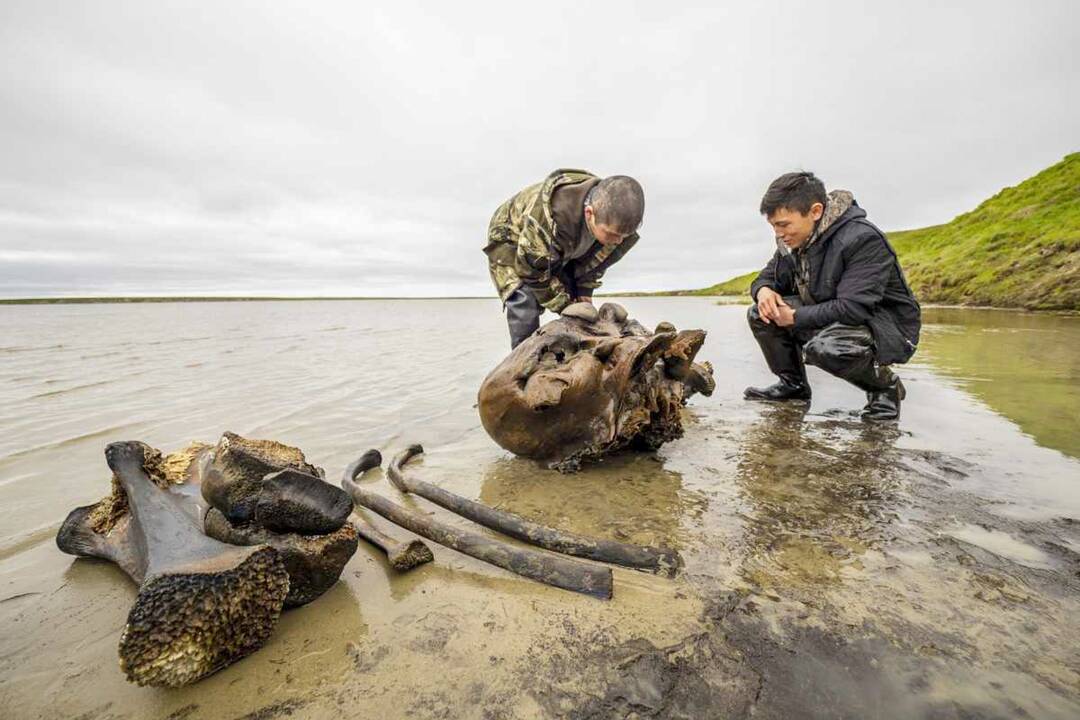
(202, 604)
(659, 560)
(540, 566)
(401, 554)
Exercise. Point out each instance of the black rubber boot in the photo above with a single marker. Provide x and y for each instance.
(884, 404)
(788, 388)
(522, 315)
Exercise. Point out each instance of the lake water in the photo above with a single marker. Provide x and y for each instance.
(942, 551)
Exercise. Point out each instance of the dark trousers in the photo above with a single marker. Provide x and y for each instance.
(846, 351)
(523, 313)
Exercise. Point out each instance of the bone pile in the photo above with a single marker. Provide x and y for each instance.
(219, 540)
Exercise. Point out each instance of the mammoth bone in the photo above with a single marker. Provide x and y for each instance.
(201, 604)
(659, 560)
(540, 566)
(401, 554)
(219, 539)
(592, 382)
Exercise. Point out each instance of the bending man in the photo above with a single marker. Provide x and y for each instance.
(833, 295)
(549, 245)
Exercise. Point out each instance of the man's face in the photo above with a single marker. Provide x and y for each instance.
(792, 227)
(604, 234)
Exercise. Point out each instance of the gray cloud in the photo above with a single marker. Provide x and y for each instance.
(317, 148)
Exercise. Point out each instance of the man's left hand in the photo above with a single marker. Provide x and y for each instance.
(785, 315)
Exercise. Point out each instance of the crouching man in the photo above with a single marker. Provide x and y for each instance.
(833, 295)
(549, 245)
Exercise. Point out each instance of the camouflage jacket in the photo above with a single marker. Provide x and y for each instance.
(522, 248)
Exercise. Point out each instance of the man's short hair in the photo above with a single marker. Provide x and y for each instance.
(618, 202)
(796, 191)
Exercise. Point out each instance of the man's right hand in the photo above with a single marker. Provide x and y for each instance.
(768, 302)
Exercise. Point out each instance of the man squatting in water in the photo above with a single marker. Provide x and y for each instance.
(549, 245)
(833, 295)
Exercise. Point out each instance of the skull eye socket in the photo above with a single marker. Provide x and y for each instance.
(559, 350)
(548, 356)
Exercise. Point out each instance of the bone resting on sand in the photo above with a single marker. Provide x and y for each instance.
(544, 567)
(202, 604)
(214, 565)
(662, 561)
(402, 554)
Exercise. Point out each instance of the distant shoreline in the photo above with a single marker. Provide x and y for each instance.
(258, 298)
(721, 299)
(196, 299)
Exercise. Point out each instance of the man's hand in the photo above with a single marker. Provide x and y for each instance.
(785, 315)
(768, 304)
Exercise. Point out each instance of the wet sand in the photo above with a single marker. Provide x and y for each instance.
(833, 568)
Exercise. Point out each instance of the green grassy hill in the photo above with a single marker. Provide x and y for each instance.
(735, 286)
(1020, 248)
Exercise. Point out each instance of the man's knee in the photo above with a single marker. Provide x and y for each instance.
(752, 315)
(839, 346)
(762, 330)
(816, 352)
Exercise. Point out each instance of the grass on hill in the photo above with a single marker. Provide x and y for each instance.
(1020, 249)
(735, 286)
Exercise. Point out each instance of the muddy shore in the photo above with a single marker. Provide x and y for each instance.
(833, 568)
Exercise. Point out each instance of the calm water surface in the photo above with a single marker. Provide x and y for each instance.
(787, 505)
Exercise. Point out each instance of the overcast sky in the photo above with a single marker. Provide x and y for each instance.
(360, 148)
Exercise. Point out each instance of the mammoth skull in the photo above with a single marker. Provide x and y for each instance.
(591, 382)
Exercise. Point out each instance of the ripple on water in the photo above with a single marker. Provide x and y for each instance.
(107, 432)
(73, 389)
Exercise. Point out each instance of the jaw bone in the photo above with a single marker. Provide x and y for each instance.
(272, 485)
(286, 503)
(201, 604)
(314, 562)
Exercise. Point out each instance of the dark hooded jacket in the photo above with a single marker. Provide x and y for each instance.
(849, 274)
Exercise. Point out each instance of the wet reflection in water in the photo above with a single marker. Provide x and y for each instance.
(816, 495)
(628, 497)
(1023, 365)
